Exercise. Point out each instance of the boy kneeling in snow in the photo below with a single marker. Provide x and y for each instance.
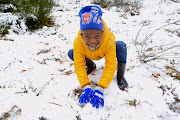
(94, 41)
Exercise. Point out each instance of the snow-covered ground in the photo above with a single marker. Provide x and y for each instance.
(37, 78)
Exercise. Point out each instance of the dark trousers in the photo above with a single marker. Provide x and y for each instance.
(121, 52)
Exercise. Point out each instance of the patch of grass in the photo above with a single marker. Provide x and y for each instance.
(77, 92)
(42, 118)
(131, 7)
(4, 30)
(78, 117)
(102, 3)
(133, 103)
(175, 107)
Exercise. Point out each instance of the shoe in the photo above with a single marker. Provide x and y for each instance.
(121, 81)
(90, 66)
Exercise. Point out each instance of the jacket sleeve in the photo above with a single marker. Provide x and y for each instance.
(110, 66)
(80, 63)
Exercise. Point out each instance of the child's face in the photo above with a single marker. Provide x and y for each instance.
(92, 37)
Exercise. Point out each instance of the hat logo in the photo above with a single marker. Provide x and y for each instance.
(86, 17)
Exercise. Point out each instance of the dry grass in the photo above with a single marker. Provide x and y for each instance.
(173, 72)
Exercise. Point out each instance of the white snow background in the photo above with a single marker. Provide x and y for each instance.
(38, 78)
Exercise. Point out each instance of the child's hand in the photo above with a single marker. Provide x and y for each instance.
(86, 95)
(98, 99)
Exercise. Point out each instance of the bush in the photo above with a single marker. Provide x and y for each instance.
(4, 30)
(5, 1)
(120, 3)
(128, 6)
(32, 23)
(148, 50)
(178, 1)
(41, 9)
(102, 3)
(8, 9)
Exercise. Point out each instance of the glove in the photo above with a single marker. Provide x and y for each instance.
(86, 95)
(97, 99)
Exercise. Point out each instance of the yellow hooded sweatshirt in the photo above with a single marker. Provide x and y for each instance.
(107, 48)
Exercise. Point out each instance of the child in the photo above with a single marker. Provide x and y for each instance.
(95, 41)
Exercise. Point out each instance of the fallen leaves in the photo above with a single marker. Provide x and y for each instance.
(68, 72)
(71, 64)
(173, 105)
(5, 38)
(43, 51)
(173, 72)
(2, 88)
(156, 75)
(77, 92)
(61, 70)
(23, 71)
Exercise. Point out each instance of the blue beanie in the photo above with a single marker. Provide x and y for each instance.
(91, 18)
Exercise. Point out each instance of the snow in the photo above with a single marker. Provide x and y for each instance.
(33, 67)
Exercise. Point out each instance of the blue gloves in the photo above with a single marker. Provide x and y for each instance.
(96, 97)
(86, 95)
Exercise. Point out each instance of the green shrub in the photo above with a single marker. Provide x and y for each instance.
(32, 23)
(5, 7)
(8, 9)
(41, 9)
(4, 30)
(5, 1)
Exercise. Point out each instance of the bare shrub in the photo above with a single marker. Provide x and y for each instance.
(128, 6)
(149, 52)
(177, 1)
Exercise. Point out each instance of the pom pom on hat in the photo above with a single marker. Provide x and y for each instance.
(90, 18)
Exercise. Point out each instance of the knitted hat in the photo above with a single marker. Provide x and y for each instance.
(91, 18)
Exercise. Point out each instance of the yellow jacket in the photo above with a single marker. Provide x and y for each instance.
(107, 48)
